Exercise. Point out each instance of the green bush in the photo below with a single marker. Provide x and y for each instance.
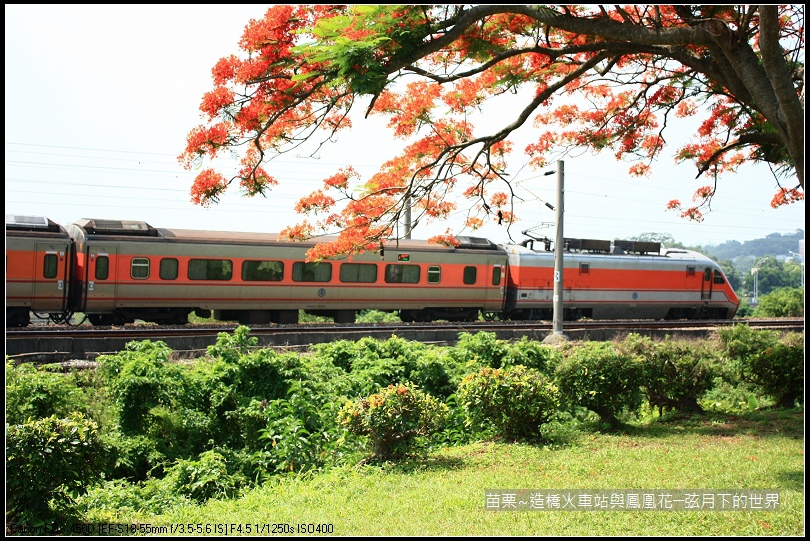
(211, 476)
(457, 430)
(731, 398)
(140, 378)
(341, 352)
(431, 373)
(49, 462)
(515, 401)
(778, 370)
(675, 374)
(374, 364)
(230, 347)
(482, 349)
(533, 354)
(32, 393)
(133, 457)
(107, 501)
(394, 418)
(741, 341)
(769, 361)
(781, 302)
(599, 377)
(264, 374)
(301, 434)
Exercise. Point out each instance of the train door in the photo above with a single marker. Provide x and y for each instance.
(496, 288)
(52, 263)
(101, 278)
(706, 287)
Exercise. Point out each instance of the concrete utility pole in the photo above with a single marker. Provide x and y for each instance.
(407, 220)
(559, 266)
(559, 249)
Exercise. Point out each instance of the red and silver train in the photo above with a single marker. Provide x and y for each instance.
(118, 271)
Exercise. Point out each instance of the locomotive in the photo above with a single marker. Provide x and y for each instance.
(119, 271)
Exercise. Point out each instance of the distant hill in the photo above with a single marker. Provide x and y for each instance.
(773, 244)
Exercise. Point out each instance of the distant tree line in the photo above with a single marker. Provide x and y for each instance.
(772, 245)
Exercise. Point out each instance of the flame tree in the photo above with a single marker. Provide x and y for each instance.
(593, 77)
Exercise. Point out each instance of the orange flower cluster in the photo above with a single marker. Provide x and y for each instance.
(786, 196)
(207, 187)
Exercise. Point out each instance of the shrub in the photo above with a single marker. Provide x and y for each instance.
(431, 374)
(394, 418)
(732, 398)
(675, 374)
(533, 354)
(110, 500)
(140, 378)
(230, 347)
(515, 400)
(208, 477)
(781, 302)
(599, 377)
(48, 463)
(763, 358)
(480, 349)
(301, 434)
(457, 430)
(133, 457)
(778, 370)
(340, 352)
(741, 341)
(374, 364)
(32, 393)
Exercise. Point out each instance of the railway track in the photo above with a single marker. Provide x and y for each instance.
(52, 343)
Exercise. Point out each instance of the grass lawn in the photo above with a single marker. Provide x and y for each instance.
(443, 493)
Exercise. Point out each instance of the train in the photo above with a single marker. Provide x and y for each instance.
(118, 271)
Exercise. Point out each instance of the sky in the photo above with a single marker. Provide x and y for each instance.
(99, 100)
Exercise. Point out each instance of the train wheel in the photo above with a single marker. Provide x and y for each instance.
(345, 316)
(101, 320)
(17, 317)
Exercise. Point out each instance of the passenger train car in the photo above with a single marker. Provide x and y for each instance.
(118, 271)
(39, 255)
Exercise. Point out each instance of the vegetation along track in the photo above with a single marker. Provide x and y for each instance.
(59, 343)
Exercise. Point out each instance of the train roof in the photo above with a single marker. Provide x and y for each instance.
(35, 224)
(129, 228)
(618, 248)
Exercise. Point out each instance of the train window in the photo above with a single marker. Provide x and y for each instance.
(496, 275)
(402, 274)
(139, 268)
(584, 268)
(707, 275)
(102, 267)
(434, 275)
(264, 271)
(358, 272)
(312, 272)
(718, 278)
(470, 274)
(51, 266)
(168, 268)
(690, 270)
(210, 269)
